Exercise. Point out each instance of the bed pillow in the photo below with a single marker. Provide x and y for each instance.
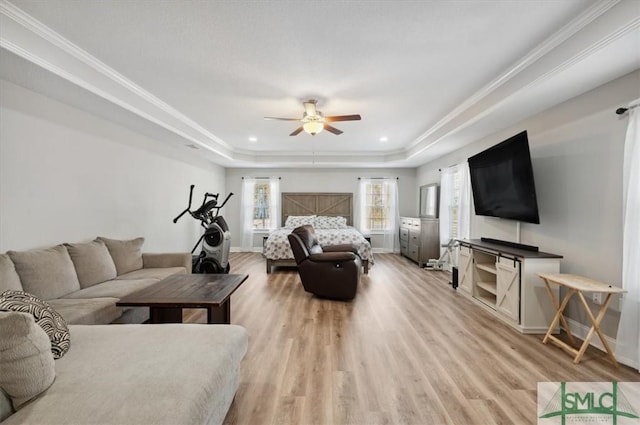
(325, 222)
(26, 366)
(294, 221)
(44, 315)
(127, 254)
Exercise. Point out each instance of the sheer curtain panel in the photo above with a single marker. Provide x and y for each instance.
(455, 203)
(628, 339)
(247, 207)
(274, 203)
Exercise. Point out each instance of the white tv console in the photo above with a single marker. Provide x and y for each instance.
(503, 279)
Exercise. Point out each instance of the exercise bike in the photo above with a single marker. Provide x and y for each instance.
(216, 239)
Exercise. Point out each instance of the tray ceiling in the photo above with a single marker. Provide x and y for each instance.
(427, 77)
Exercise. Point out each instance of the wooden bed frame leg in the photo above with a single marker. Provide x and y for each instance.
(268, 266)
(365, 265)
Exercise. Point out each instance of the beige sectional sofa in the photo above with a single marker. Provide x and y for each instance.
(113, 373)
(83, 281)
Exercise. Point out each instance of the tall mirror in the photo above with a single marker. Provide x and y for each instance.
(429, 195)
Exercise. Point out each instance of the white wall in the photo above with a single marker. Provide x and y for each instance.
(68, 176)
(317, 180)
(577, 154)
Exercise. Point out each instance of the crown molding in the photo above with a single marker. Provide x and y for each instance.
(47, 34)
(543, 49)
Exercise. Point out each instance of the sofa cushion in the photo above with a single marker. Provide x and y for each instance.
(154, 260)
(112, 288)
(46, 273)
(26, 365)
(90, 311)
(92, 261)
(159, 273)
(45, 316)
(191, 380)
(6, 407)
(126, 254)
(9, 278)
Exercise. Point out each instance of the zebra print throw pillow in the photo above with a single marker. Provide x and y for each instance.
(45, 316)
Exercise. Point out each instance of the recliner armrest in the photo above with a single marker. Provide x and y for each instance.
(330, 257)
(345, 247)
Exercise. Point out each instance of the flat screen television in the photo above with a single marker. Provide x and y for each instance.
(502, 181)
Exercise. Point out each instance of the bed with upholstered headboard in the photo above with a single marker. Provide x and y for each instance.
(331, 214)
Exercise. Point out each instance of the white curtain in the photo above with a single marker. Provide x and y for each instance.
(464, 202)
(628, 339)
(359, 219)
(446, 203)
(450, 200)
(246, 208)
(391, 234)
(274, 203)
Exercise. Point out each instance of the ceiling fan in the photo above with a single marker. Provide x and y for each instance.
(313, 122)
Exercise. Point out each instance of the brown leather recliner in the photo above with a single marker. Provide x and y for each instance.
(329, 272)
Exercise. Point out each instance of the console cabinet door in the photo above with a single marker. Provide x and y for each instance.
(508, 288)
(465, 269)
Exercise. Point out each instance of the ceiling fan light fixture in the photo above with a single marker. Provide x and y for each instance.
(313, 127)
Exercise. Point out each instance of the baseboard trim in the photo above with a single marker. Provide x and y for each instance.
(581, 330)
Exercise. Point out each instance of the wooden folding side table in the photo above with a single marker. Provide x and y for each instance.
(578, 285)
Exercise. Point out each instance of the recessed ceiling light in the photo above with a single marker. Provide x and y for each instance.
(384, 139)
(253, 139)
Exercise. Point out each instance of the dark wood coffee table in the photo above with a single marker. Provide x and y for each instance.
(167, 298)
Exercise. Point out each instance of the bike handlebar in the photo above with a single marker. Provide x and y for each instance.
(226, 199)
(175, 220)
(200, 212)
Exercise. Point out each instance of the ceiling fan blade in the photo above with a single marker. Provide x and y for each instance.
(297, 131)
(334, 118)
(282, 119)
(331, 129)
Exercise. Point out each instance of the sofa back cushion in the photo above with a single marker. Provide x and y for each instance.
(92, 261)
(9, 279)
(6, 408)
(126, 254)
(47, 273)
(26, 365)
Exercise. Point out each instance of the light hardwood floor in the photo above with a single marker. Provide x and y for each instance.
(408, 350)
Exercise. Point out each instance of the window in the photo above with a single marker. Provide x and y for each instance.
(377, 215)
(377, 211)
(260, 208)
(261, 202)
